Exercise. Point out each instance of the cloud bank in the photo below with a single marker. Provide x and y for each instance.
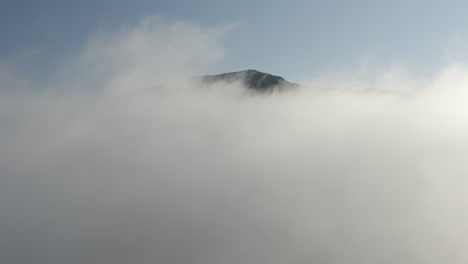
(121, 160)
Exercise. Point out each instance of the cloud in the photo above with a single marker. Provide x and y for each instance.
(119, 163)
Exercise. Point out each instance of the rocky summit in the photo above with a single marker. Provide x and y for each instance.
(251, 79)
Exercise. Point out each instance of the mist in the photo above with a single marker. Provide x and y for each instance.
(121, 158)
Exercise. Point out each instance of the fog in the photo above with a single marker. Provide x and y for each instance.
(120, 158)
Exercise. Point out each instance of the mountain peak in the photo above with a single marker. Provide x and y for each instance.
(252, 79)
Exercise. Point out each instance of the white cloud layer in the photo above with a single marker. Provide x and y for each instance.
(122, 167)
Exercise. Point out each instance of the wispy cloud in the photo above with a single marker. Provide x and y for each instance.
(118, 163)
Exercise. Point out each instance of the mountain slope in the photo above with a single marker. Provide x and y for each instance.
(251, 79)
(266, 83)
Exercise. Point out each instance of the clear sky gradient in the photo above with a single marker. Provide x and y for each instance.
(294, 38)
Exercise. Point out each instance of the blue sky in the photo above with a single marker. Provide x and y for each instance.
(295, 39)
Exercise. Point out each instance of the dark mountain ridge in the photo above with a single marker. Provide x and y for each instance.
(266, 83)
(251, 79)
